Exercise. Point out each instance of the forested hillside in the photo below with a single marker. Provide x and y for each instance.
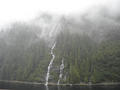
(89, 61)
(89, 48)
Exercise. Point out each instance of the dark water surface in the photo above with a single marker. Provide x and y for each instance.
(115, 87)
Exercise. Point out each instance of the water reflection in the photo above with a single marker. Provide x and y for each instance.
(46, 87)
(58, 87)
(43, 87)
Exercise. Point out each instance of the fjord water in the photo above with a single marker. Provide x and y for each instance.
(69, 88)
(74, 87)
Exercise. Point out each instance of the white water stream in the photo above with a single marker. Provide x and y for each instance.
(61, 71)
(50, 64)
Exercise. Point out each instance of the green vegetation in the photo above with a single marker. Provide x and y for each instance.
(89, 61)
(25, 57)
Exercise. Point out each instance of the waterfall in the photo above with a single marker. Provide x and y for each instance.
(61, 71)
(50, 64)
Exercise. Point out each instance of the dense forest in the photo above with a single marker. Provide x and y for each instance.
(90, 49)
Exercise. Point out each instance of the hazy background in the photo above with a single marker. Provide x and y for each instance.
(25, 10)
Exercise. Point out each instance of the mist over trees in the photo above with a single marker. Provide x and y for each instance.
(89, 44)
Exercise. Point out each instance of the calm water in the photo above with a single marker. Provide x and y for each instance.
(68, 88)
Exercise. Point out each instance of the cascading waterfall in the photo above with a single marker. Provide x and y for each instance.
(61, 71)
(50, 64)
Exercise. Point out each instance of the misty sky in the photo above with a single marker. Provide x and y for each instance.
(24, 10)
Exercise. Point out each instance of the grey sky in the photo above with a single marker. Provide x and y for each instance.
(24, 10)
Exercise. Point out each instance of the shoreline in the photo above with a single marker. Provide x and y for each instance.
(3, 82)
(5, 85)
